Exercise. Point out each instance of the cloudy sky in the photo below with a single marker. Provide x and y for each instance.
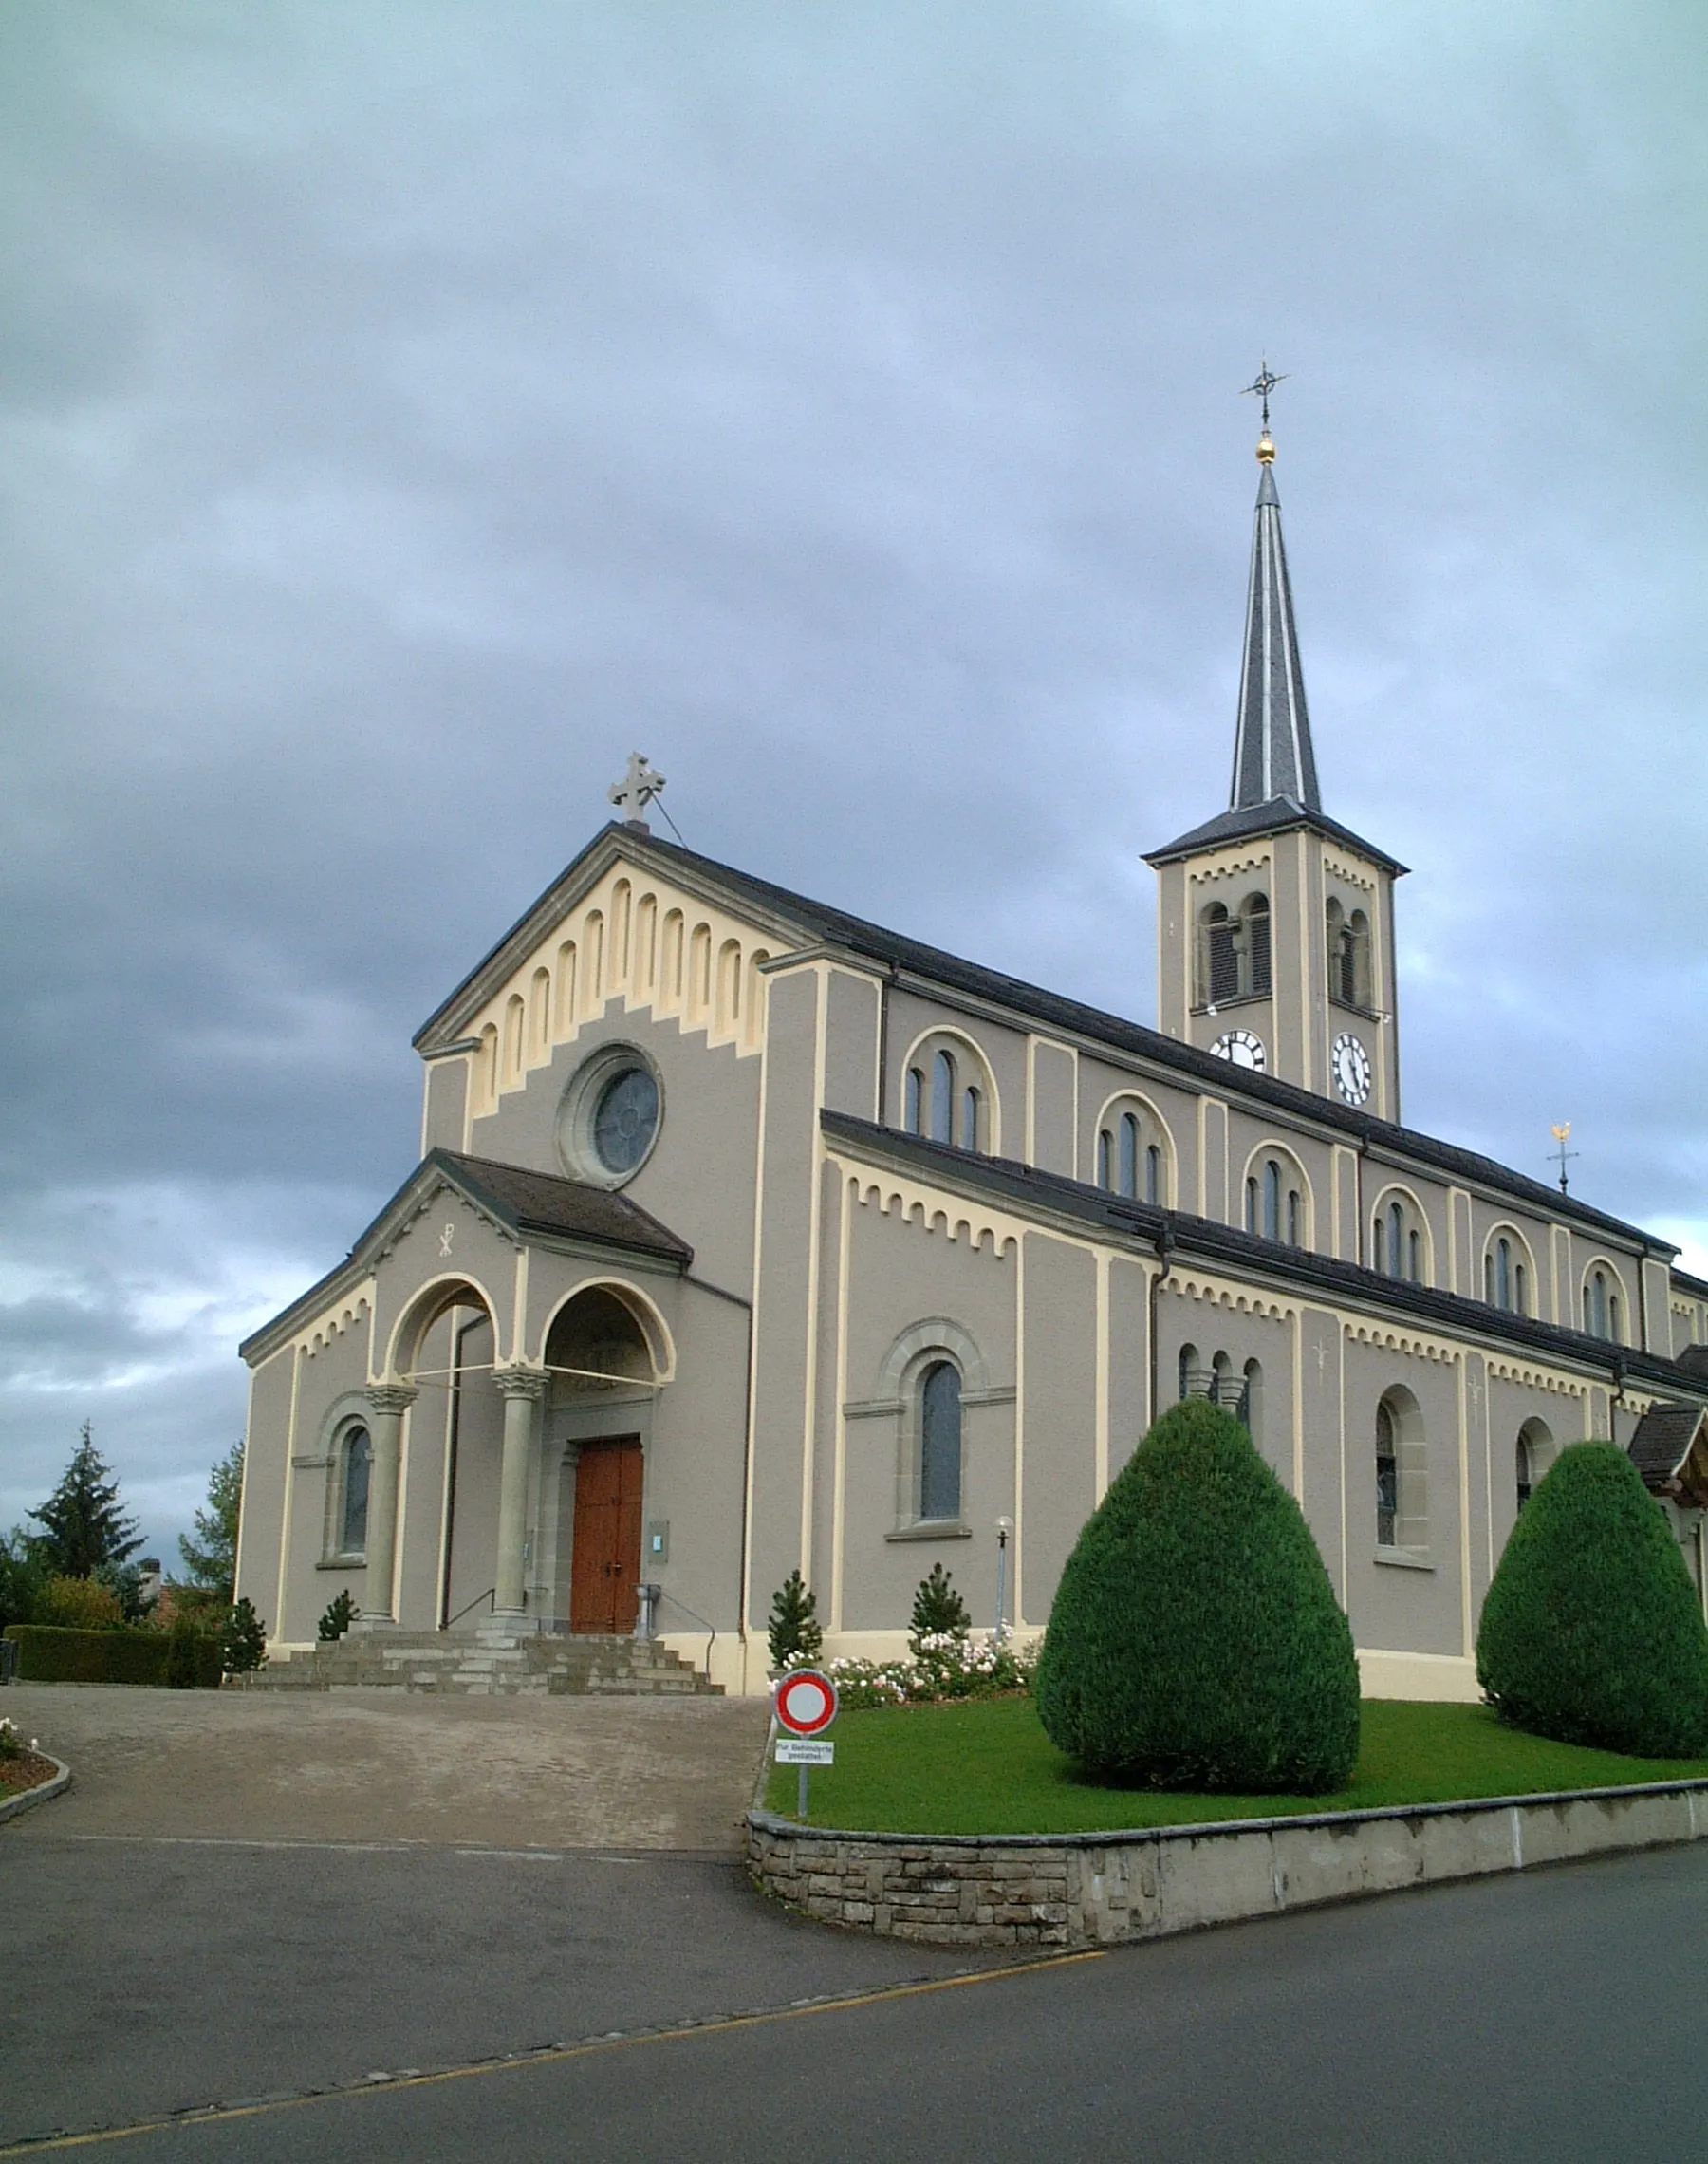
(406, 410)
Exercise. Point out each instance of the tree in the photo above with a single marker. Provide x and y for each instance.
(211, 1558)
(795, 1631)
(1591, 1632)
(1196, 1641)
(938, 1611)
(84, 1523)
(21, 1577)
(341, 1613)
(243, 1642)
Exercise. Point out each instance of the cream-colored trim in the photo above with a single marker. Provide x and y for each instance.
(1344, 1187)
(419, 1303)
(815, 1215)
(1496, 1230)
(846, 1187)
(1099, 1476)
(1298, 1404)
(1420, 1344)
(1018, 1594)
(1462, 1365)
(353, 1307)
(1397, 1189)
(1031, 1099)
(1118, 1101)
(754, 1311)
(291, 1448)
(1186, 1282)
(1309, 1008)
(923, 1205)
(1237, 1197)
(1340, 1399)
(1342, 868)
(1231, 862)
(1458, 1205)
(405, 1460)
(648, 1318)
(518, 1336)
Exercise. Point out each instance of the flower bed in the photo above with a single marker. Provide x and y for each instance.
(945, 1664)
(22, 1766)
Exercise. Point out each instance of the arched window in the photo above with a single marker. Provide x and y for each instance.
(940, 1442)
(1601, 1305)
(1413, 1241)
(1387, 1476)
(942, 1098)
(353, 1504)
(1524, 1471)
(1532, 1454)
(1402, 1474)
(1106, 1152)
(1292, 1217)
(1250, 1410)
(970, 1122)
(1222, 1392)
(1251, 1205)
(1254, 974)
(1396, 1243)
(916, 1101)
(1189, 1369)
(1153, 1174)
(1129, 1155)
(1272, 1200)
(1358, 970)
(1220, 956)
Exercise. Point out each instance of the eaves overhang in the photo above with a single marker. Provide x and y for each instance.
(1253, 822)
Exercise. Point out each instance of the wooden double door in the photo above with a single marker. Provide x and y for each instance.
(605, 1568)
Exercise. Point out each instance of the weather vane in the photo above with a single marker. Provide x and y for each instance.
(1562, 1134)
(1266, 382)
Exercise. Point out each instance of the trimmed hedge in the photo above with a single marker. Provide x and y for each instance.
(1592, 1632)
(1195, 1642)
(46, 1655)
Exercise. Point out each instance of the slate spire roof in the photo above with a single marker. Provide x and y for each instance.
(1273, 756)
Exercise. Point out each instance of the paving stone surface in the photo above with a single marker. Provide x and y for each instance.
(556, 1773)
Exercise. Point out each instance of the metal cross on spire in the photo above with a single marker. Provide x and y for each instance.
(1266, 382)
(636, 790)
(1562, 1134)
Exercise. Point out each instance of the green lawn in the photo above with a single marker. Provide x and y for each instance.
(986, 1767)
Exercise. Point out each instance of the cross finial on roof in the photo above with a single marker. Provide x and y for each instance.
(1265, 384)
(635, 791)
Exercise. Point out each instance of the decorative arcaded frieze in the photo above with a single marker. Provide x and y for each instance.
(1409, 1342)
(351, 1313)
(959, 1222)
(1531, 1378)
(1238, 1299)
(1337, 867)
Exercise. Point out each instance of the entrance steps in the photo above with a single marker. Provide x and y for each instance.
(496, 1662)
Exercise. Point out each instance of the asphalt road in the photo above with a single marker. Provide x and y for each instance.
(1555, 2015)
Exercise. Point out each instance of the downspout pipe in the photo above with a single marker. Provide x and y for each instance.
(1165, 1257)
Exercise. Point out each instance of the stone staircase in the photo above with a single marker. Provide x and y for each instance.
(496, 1662)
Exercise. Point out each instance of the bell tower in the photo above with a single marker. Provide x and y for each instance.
(1275, 924)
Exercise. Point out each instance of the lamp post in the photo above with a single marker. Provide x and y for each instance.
(1003, 1527)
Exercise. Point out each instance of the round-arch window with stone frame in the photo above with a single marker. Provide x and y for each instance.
(611, 1116)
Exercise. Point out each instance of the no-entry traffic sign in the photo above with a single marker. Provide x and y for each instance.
(805, 1701)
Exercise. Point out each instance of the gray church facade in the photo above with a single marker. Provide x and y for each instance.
(747, 1236)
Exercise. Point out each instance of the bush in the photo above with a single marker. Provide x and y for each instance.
(951, 1666)
(938, 1611)
(1196, 1641)
(340, 1615)
(796, 1640)
(78, 1604)
(185, 1642)
(1591, 1632)
(243, 1642)
(48, 1656)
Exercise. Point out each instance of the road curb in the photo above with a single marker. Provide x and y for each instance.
(43, 1792)
(1068, 1891)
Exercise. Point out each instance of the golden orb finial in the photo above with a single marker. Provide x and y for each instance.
(1266, 450)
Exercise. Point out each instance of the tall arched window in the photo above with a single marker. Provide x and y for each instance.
(1153, 1174)
(940, 1442)
(916, 1101)
(970, 1125)
(1220, 956)
(1254, 975)
(1251, 1219)
(1272, 1200)
(1106, 1160)
(1601, 1306)
(1387, 1476)
(1252, 1400)
(352, 1520)
(1189, 1369)
(1129, 1155)
(942, 1098)
(1532, 1455)
(1524, 1471)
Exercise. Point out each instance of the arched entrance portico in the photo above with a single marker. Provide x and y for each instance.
(607, 1356)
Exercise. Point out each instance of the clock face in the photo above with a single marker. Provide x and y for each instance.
(1241, 1047)
(1351, 1069)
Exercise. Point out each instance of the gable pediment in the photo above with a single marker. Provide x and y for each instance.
(624, 922)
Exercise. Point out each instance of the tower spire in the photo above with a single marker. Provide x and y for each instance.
(1273, 755)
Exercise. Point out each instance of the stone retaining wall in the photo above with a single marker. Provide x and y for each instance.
(1084, 1890)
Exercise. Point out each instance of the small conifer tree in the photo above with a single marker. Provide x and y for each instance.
(340, 1615)
(1591, 1632)
(1196, 1641)
(795, 1631)
(84, 1523)
(211, 1557)
(938, 1611)
(243, 1642)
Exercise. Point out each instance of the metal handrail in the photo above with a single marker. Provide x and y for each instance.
(491, 1593)
(698, 1618)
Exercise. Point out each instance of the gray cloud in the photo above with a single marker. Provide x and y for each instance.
(406, 411)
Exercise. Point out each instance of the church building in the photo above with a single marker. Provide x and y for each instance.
(749, 1236)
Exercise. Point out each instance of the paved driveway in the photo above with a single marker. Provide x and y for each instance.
(361, 1765)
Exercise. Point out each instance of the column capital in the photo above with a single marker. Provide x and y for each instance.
(391, 1398)
(519, 1380)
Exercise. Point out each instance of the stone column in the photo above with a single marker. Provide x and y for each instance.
(387, 1404)
(523, 1388)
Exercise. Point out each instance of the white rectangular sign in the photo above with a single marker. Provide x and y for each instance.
(805, 1750)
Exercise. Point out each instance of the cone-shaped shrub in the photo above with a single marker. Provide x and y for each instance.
(1196, 1641)
(1591, 1633)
